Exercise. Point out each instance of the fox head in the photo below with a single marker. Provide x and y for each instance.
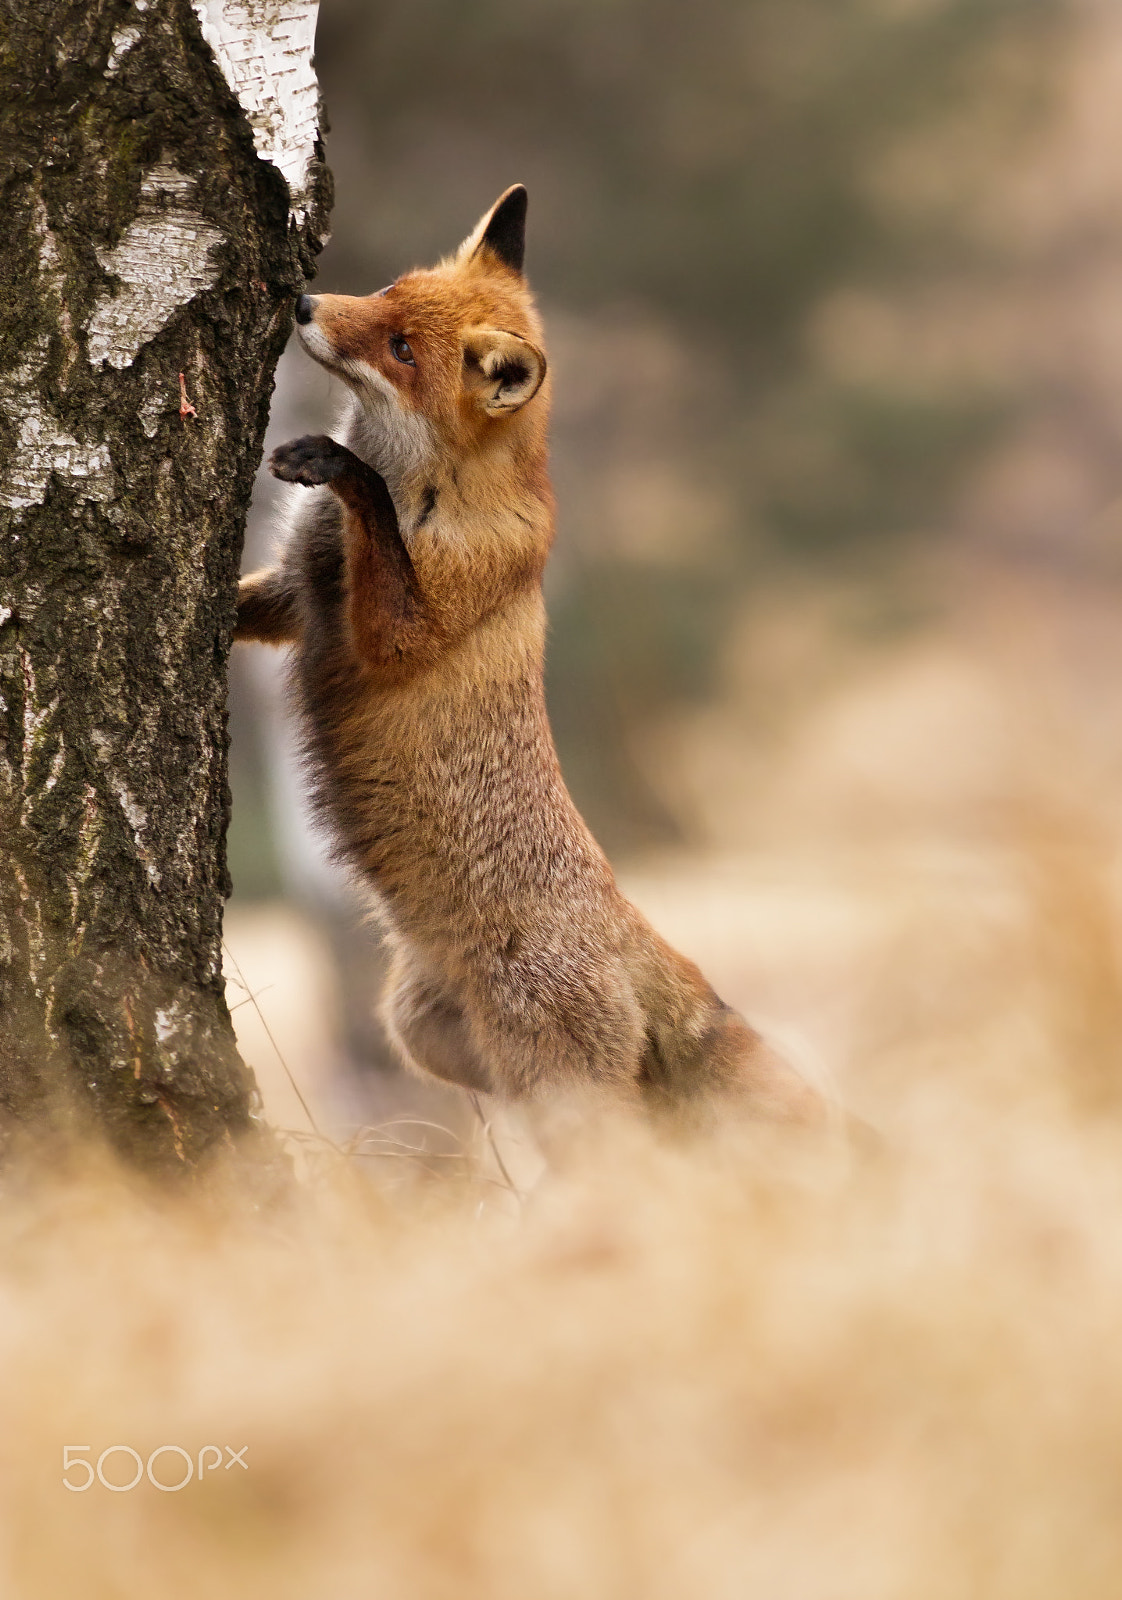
(446, 357)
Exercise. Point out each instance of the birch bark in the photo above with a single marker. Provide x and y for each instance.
(164, 194)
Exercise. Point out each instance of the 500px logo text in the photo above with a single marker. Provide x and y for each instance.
(167, 1462)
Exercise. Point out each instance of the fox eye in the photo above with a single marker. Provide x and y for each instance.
(402, 352)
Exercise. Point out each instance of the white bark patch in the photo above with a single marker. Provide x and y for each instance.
(135, 815)
(137, 819)
(152, 408)
(122, 43)
(162, 262)
(43, 445)
(168, 1022)
(57, 762)
(264, 48)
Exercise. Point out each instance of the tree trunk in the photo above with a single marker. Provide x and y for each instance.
(164, 193)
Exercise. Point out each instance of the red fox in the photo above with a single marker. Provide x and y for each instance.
(410, 592)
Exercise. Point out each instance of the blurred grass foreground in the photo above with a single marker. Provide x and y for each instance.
(833, 298)
(669, 1371)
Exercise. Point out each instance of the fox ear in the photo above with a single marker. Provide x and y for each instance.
(501, 370)
(502, 230)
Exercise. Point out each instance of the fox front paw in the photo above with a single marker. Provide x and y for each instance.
(312, 460)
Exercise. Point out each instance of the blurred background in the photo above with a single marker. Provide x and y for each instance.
(833, 297)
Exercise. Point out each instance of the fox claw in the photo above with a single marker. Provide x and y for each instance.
(313, 460)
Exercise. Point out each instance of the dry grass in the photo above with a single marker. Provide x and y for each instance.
(725, 1370)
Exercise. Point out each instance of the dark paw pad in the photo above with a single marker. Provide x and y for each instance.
(312, 460)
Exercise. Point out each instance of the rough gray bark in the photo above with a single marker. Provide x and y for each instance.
(144, 236)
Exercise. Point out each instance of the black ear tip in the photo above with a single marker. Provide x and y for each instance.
(505, 233)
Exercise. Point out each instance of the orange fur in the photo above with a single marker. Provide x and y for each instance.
(410, 591)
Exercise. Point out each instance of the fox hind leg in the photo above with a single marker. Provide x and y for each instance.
(430, 1030)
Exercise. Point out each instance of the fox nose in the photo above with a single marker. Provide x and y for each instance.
(305, 305)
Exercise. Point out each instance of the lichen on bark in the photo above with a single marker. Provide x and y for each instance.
(145, 236)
